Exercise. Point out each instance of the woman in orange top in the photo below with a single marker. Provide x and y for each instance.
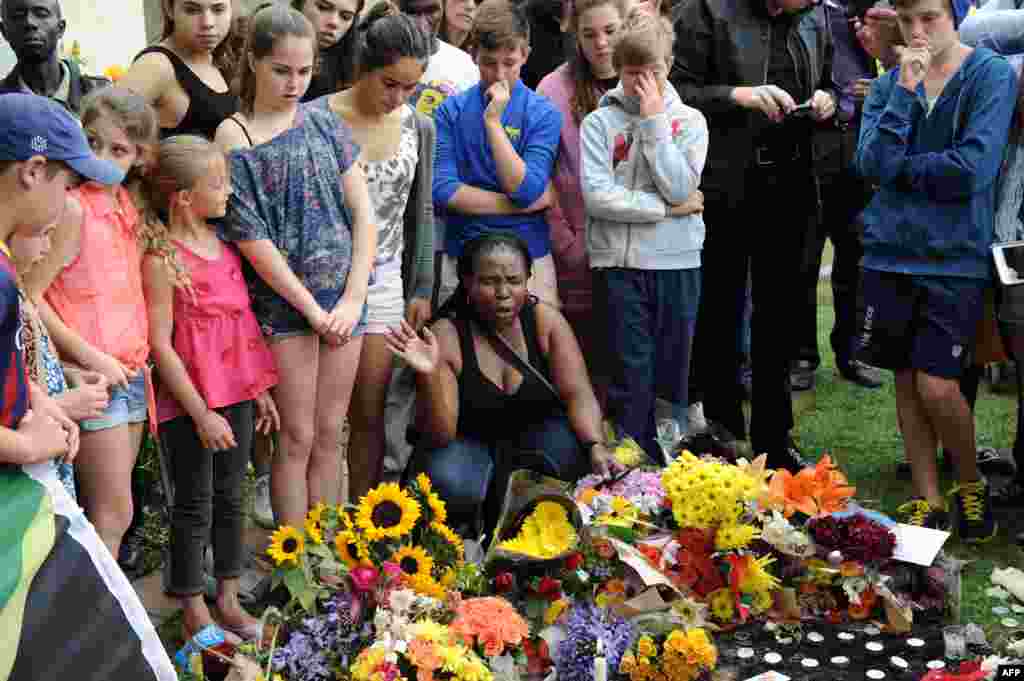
(94, 306)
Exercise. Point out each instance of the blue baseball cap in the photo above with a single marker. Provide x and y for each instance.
(31, 125)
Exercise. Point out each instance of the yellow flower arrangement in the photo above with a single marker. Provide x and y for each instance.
(387, 511)
(414, 561)
(286, 545)
(706, 493)
(684, 655)
(546, 533)
(756, 578)
(722, 604)
(735, 536)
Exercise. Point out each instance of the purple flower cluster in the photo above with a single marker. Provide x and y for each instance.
(637, 482)
(322, 643)
(587, 623)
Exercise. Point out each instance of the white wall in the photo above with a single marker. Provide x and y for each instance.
(109, 31)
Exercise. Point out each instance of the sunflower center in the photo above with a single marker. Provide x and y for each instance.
(409, 565)
(352, 548)
(290, 545)
(386, 514)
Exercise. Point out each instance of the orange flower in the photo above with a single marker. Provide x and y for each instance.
(815, 491)
(851, 569)
(491, 622)
(868, 600)
(651, 553)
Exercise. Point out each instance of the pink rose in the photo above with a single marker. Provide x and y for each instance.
(364, 578)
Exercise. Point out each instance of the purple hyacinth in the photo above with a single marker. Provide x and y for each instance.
(587, 623)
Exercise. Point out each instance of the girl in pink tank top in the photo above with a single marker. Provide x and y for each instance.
(215, 372)
(94, 309)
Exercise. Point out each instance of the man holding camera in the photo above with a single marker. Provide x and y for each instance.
(760, 71)
(932, 138)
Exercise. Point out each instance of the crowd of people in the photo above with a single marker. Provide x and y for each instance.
(478, 233)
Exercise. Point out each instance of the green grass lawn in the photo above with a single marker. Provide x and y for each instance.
(859, 428)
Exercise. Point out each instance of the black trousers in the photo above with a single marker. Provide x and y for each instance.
(844, 196)
(766, 230)
(207, 496)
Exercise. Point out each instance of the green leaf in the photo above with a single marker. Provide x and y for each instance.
(295, 581)
(319, 550)
(307, 599)
(625, 534)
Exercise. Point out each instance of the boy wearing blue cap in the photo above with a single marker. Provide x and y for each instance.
(51, 550)
(932, 139)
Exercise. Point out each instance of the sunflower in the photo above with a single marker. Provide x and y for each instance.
(414, 561)
(314, 528)
(286, 545)
(350, 549)
(426, 585)
(387, 511)
(423, 480)
(451, 537)
(437, 507)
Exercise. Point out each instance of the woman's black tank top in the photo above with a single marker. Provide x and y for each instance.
(487, 412)
(206, 108)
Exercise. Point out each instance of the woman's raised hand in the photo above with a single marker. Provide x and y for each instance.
(421, 352)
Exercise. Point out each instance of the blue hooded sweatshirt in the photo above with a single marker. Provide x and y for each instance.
(934, 211)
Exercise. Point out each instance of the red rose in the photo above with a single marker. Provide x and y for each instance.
(364, 578)
(504, 582)
(550, 588)
(573, 562)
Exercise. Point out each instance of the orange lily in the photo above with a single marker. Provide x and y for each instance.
(820, 490)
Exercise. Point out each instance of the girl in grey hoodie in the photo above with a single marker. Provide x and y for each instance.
(643, 153)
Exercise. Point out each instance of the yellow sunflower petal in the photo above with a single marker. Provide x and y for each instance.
(286, 545)
(387, 512)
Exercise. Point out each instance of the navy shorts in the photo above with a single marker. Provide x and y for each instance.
(919, 322)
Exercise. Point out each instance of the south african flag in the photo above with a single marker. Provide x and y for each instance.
(66, 609)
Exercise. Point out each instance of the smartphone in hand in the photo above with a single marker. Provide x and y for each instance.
(801, 111)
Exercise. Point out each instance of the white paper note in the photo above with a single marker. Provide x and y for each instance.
(918, 545)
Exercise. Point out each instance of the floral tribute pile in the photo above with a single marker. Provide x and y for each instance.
(631, 577)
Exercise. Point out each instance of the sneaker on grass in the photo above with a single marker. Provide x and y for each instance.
(976, 523)
(919, 512)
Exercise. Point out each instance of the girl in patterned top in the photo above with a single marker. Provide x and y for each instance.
(301, 216)
(397, 156)
(89, 397)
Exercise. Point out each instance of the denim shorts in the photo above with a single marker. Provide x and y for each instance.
(127, 405)
(279, 328)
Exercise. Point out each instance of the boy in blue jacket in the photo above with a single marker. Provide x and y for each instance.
(932, 139)
(496, 148)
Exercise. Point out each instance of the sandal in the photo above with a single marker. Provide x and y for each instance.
(209, 636)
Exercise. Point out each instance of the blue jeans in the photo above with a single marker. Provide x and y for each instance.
(651, 315)
(471, 475)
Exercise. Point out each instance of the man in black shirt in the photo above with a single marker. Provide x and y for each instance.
(34, 29)
(747, 65)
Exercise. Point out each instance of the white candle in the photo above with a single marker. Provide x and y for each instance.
(600, 664)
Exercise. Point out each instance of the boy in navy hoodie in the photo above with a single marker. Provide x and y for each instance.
(496, 148)
(932, 139)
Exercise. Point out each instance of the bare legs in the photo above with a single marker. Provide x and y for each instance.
(313, 397)
(104, 466)
(932, 409)
(366, 416)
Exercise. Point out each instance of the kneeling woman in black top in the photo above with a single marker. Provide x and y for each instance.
(478, 415)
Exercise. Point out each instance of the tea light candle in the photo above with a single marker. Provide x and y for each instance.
(772, 658)
(936, 664)
(899, 665)
(846, 636)
(872, 630)
(874, 648)
(815, 639)
(809, 663)
(841, 661)
(916, 645)
(745, 655)
(875, 674)
(786, 641)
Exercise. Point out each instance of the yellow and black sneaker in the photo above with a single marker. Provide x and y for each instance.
(919, 512)
(975, 522)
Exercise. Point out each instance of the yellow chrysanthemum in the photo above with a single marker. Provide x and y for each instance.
(429, 630)
(426, 585)
(387, 512)
(545, 533)
(414, 561)
(350, 549)
(286, 545)
(722, 606)
(646, 647)
(763, 601)
(451, 537)
(731, 537)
